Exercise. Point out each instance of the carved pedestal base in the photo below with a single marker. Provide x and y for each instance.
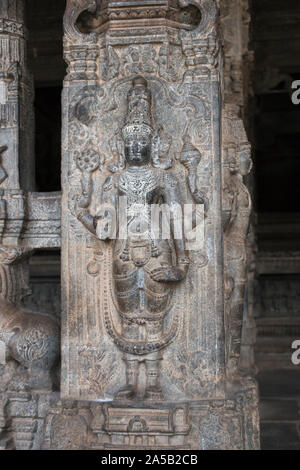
(143, 427)
(44, 421)
(230, 424)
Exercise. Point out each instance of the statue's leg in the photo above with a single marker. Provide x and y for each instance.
(236, 324)
(130, 390)
(153, 388)
(236, 314)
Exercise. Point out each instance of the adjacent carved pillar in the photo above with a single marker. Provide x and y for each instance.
(16, 123)
(29, 342)
(16, 101)
(238, 93)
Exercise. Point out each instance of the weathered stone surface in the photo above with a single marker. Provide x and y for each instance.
(101, 109)
(151, 328)
(29, 341)
(16, 104)
(221, 424)
(108, 334)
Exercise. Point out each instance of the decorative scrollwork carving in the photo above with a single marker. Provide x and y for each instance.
(209, 13)
(73, 9)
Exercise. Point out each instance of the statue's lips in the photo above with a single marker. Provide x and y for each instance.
(136, 156)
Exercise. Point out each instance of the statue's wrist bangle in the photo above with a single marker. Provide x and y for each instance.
(183, 261)
(80, 215)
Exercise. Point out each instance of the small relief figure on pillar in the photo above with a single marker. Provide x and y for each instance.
(146, 266)
(236, 215)
(190, 158)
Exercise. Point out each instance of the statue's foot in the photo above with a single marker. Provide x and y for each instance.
(19, 382)
(126, 393)
(154, 393)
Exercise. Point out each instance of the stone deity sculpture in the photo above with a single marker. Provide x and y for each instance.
(145, 265)
(236, 216)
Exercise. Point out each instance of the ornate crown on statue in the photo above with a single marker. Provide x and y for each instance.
(138, 119)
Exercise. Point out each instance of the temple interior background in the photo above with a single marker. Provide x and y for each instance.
(274, 131)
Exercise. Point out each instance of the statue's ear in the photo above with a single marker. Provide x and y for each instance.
(116, 144)
(161, 145)
(245, 160)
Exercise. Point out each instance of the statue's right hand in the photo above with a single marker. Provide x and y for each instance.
(169, 274)
(105, 225)
(102, 233)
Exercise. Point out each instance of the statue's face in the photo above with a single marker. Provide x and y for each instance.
(137, 149)
(245, 161)
(232, 161)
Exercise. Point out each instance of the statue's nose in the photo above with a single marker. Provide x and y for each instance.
(135, 147)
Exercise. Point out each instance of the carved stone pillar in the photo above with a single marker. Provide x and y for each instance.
(29, 342)
(146, 324)
(16, 101)
(16, 123)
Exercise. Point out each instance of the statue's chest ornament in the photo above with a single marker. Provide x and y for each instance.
(137, 184)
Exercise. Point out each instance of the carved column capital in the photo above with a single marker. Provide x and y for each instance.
(201, 46)
(73, 10)
(80, 49)
(10, 255)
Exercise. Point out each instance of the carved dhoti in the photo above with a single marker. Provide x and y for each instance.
(141, 302)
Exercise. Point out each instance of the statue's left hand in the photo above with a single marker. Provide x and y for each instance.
(201, 198)
(169, 274)
(81, 205)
